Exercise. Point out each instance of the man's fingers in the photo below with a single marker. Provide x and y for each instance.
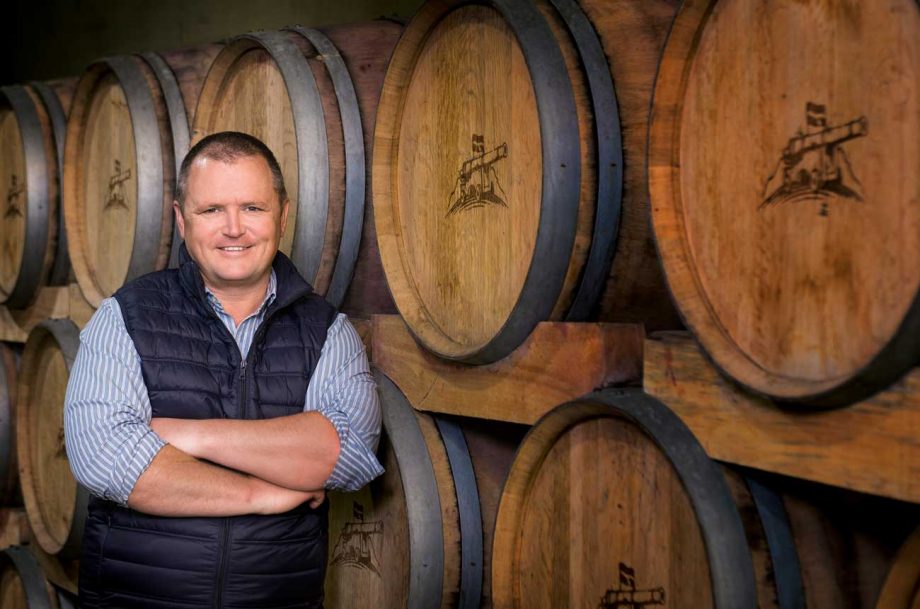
(317, 499)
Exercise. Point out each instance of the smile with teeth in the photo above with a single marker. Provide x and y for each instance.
(233, 248)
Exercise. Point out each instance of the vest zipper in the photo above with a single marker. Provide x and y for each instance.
(225, 525)
(222, 562)
(243, 386)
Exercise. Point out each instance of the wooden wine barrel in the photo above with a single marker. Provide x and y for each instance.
(23, 584)
(411, 538)
(499, 168)
(33, 245)
(55, 503)
(127, 132)
(611, 497)
(311, 96)
(902, 586)
(9, 473)
(783, 168)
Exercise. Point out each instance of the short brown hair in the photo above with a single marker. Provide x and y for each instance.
(227, 147)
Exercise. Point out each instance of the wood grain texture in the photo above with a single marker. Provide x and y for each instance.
(50, 303)
(107, 212)
(462, 188)
(902, 586)
(370, 548)
(589, 492)
(784, 181)
(14, 527)
(101, 179)
(844, 542)
(79, 310)
(457, 276)
(30, 215)
(375, 517)
(633, 35)
(492, 445)
(48, 487)
(870, 447)
(110, 159)
(366, 49)
(13, 181)
(559, 362)
(9, 472)
(190, 67)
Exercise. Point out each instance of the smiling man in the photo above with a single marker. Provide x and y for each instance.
(211, 406)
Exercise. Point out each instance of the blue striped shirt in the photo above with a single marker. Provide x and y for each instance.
(107, 409)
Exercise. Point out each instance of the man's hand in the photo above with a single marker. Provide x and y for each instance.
(271, 499)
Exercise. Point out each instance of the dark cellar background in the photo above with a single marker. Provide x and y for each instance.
(59, 38)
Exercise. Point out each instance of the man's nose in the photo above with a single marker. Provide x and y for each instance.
(233, 223)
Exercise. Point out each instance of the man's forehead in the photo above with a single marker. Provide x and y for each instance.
(205, 162)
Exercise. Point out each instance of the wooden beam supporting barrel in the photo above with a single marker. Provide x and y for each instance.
(311, 96)
(784, 167)
(499, 169)
(127, 131)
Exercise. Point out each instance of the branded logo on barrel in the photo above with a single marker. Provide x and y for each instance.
(477, 183)
(116, 193)
(814, 164)
(12, 198)
(627, 596)
(359, 543)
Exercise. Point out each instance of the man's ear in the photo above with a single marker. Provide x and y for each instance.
(180, 221)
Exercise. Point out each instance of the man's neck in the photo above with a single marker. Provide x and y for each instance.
(239, 302)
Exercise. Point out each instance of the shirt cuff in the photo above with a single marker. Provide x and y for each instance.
(147, 447)
(357, 464)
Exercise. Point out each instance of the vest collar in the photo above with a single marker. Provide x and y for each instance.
(291, 285)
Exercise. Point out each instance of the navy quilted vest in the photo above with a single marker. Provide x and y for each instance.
(192, 369)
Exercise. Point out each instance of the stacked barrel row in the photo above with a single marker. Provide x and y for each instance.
(510, 188)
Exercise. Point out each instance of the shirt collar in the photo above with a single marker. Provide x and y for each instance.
(270, 294)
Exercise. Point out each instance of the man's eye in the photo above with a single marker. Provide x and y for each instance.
(253, 208)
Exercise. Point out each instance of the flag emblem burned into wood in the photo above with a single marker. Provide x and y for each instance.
(12, 198)
(477, 183)
(814, 165)
(627, 596)
(359, 543)
(116, 192)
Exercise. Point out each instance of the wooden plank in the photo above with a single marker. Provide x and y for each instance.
(14, 527)
(872, 446)
(51, 303)
(557, 363)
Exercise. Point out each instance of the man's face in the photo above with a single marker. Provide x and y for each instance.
(232, 221)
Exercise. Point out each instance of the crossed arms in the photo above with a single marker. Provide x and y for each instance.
(216, 467)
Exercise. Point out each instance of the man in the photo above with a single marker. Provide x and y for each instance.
(210, 406)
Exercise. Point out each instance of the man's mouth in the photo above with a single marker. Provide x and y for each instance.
(233, 248)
